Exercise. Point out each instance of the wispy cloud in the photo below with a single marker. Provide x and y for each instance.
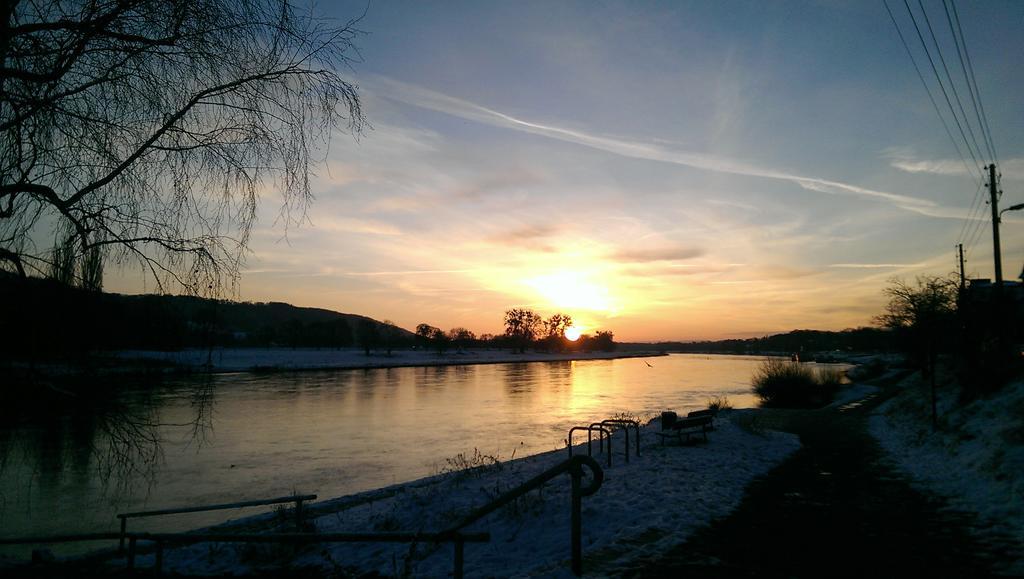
(411, 272)
(535, 237)
(350, 225)
(657, 254)
(941, 167)
(877, 265)
(654, 151)
(904, 159)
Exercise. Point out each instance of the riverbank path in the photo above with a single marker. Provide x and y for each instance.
(833, 509)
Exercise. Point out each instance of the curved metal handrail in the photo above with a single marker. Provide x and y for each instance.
(606, 433)
(590, 429)
(626, 423)
(574, 466)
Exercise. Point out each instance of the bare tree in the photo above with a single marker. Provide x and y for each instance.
(923, 317)
(461, 337)
(555, 328)
(149, 128)
(924, 307)
(425, 333)
(521, 326)
(557, 324)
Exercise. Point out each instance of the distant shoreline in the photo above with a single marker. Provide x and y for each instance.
(229, 360)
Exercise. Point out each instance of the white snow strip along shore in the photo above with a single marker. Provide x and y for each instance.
(644, 508)
(263, 359)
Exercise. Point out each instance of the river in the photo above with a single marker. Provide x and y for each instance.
(232, 437)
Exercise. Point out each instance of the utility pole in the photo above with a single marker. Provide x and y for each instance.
(993, 197)
(963, 280)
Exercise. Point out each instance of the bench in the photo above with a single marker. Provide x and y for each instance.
(698, 422)
(705, 412)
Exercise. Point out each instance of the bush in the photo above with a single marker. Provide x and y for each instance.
(782, 384)
(477, 465)
(719, 403)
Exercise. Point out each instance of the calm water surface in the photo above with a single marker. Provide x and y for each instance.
(248, 436)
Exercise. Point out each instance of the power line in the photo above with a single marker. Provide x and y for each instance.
(927, 89)
(974, 80)
(980, 222)
(982, 228)
(974, 224)
(949, 77)
(967, 79)
(942, 87)
(975, 234)
(976, 207)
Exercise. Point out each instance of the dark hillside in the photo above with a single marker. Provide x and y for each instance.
(42, 319)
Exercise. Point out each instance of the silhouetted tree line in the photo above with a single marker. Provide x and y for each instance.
(805, 341)
(524, 329)
(54, 319)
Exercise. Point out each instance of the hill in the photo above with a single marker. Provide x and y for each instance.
(42, 317)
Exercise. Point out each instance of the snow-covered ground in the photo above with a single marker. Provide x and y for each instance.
(851, 393)
(643, 508)
(246, 359)
(975, 459)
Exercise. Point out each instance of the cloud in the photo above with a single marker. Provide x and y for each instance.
(350, 225)
(513, 178)
(735, 205)
(647, 270)
(904, 159)
(657, 254)
(941, 167)
(654, 151)
(528, 236)
(412, 272)
(782, 272)
(876, 265)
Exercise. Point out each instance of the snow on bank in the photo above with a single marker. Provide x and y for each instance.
(975, 460)
(643, 508)
(248, 359)
(851, 393)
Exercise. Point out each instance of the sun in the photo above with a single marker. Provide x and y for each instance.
(572, 333)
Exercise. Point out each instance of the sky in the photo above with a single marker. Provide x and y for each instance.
(667, 171)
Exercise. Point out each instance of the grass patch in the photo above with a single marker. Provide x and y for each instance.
(719, 403)
(783, 384)
(475, 465)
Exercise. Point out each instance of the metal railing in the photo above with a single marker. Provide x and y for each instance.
(573, 466)
(625, 423)
(297, 499)
(159, 539)
(601, 430)
(604, 430)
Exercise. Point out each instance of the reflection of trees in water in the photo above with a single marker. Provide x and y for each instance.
(201, 402)
(128, 448)
(112, 434)
(521, 378)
